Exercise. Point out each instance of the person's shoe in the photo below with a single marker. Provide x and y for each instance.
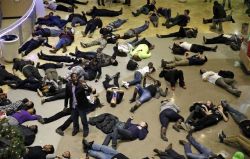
(91, 35)
(39, 92)
(85, 133)
(163, 63)
(223, 134)
(117, 75)
(157, 151)
(204, 40)
(53, 51)
(169, 147)
(158, 36)
(83, 34)
(224, 104)
(23, 54)
(232, 20)
(221, 138)
(189, 135)
(183, 142)
(41, 120)
(114, 147)
(42, 101)
(238, 94)
(184, 87)
(121, 10)
(107, 77)
(83, 45)
(176, 127)
(87, 145)
(204, 21)
(132, 100)
(74, 132)
(60, 132)
(133, 109)
(163, 134)
(125, 84)
(64, 49)
(215, 48)
(134, 14)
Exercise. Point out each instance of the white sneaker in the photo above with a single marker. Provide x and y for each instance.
(125, 84)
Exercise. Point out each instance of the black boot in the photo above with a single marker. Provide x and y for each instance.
(163, 133)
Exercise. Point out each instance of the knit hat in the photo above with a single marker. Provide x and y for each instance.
(238, 155)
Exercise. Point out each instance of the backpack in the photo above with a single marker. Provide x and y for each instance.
(178, 50)
(132, 65)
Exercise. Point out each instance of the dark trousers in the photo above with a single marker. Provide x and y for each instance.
(29, 46)
(106, 83)
(75, 113)
(29, 84)
(142, 41)
(32, 72)
(56, 58)
(218, 40)
(200, 48)
(71, 2)
(64, 8)
(100, 2)
(49, 66)
(85, 55)
(170, 154)
(90, 28)
(118, 133)
(57, 116)
(7, 78)
(173, 77)
(205, 122)
(168, 115)
(181, 33)
(55, 97)
(106, 13)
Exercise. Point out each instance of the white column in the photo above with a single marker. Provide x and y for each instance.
(40, 9)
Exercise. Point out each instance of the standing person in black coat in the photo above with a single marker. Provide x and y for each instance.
(219, 13)
(75, 94)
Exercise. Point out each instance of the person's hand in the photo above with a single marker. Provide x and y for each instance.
(96, 80)
(220, 108)
(131, 117)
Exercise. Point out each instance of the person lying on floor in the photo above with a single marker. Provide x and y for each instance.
(233, 40)
(197, 111)
(237, 141)
(65, 39)
(22, 116)
(124, 48)
(76, 18)
(181, 20)
(147, 92)
(40, 152)
(103, 41)
(182, 33)
(204, 152)
(145, 9)
(91, 26)
(32, 44)
(154, 19)
(53, 96)
(50, 70)
(100, 151)
(114, 94)
(23, 104)
(6, 77)
(52, 20)
(168, 153)
(139, 74)
(240, 118)
(225, 83)
(212, 117)
(103, 59)
(172, 75)
(199, 59)
(28, 133)
(3, 98)
(195, 48)
(128, 132)
(169, 112)
(57, 7)
(58, 58)
(141, 52)
(165, 12)
(72, 2)
(27, 68)
(135, 31)
(103, 12)
(113, 26)
(46, 32)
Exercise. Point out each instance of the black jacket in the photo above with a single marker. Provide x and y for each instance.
(219, 11)
(81, 97)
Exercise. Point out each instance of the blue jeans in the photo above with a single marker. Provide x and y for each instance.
(236, 115)
(102, 152)
(144, 94)
(137, 79)
(76, 20)
(141, 28)
(62, 42)
(204, 152)
(55, 32)
(118, 23)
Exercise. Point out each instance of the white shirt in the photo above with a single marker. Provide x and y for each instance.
(186, 45)
(74, 104)
(210, 76)
(144, 70)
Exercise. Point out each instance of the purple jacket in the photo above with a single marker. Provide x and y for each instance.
(23, 116)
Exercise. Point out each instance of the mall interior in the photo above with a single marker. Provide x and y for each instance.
(18, 22)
